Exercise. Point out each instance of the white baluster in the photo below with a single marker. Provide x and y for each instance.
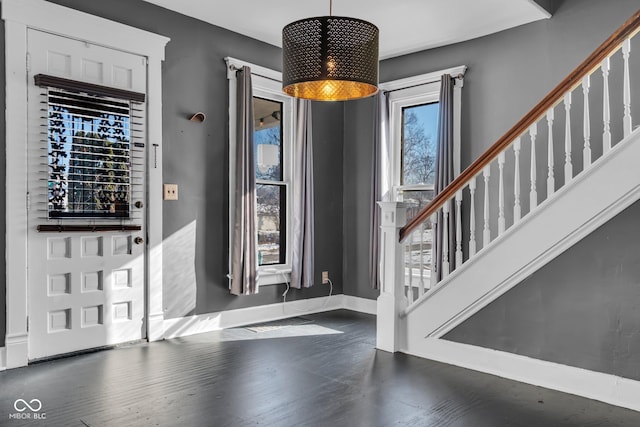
(586, 121)
(606, 110)
(458, 229)
(517, 210)
(445, 240)
(533, 194)
(421, 284)
(551, 180)
(472, 218)
(568, 166)
(486, 233)
(626, 51)
(501, 221)
(434, 276)
(410, 288)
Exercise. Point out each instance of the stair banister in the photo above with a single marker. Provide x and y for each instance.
(556, 96)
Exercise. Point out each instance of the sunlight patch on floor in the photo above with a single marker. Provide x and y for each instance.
(259, 332)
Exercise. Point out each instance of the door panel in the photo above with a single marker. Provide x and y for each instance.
(86, 289)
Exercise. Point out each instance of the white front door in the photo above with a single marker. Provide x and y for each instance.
(86, 168)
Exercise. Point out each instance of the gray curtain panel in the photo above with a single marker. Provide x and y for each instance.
(444, 175)
(302, 250)
(378, 193)
(244, 262)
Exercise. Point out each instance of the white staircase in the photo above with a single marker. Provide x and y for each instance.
(591, 199)
(587, 192)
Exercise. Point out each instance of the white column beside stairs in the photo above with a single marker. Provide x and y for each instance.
(392, 300)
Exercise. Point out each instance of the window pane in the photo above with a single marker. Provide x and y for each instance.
(268, 139)
(420, 243)
(419, 143)
(88, 157)
(271, 223)
(416, 200)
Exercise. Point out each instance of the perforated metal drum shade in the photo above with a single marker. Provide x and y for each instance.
(330, 58)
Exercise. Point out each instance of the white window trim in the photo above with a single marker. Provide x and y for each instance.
(266, 84)
(19, 16)
(416, 90)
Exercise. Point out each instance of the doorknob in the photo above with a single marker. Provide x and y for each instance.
(138, 240)
(138, 204)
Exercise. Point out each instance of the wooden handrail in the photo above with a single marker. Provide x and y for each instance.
(607, 48)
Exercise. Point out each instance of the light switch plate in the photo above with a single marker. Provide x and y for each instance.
(170, 192)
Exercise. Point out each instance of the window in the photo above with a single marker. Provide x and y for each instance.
(273, 132)
(413, 126)
(271, 186)
(94, 155)
(418, 146)
(89, 156)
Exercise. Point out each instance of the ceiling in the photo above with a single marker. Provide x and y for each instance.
(405, 25)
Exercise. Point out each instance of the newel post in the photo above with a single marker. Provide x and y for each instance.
(392, 300)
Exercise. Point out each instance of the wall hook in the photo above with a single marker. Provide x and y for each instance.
(198, 117)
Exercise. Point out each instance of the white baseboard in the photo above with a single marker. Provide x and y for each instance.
(606, 388)
(184, 326)
(361, 305)
(3, 358)
(16, 350)
(155, 329)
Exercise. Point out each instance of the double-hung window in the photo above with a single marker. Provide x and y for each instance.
(272, 184)
(413, 127)
(273, 122)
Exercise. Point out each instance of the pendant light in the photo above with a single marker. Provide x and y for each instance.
(330, 58)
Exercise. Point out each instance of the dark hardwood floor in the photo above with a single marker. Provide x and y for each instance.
(334, 378)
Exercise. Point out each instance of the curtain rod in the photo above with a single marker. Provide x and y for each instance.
(236, 69)
(460, 76)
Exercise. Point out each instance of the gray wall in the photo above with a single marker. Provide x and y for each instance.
(549, 5)
(196, 158)
(582, 309)
(358, 152)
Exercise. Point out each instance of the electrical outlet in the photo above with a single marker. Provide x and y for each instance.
(170, 192)
(325, 277)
